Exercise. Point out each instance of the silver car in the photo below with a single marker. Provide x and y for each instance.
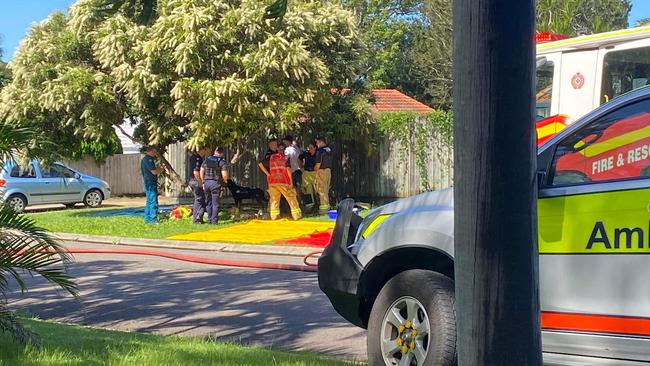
(392, 272)
(36, 184)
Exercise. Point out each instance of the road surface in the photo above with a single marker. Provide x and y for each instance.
(149, 294)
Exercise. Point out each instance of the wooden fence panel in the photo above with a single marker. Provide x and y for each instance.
(122, 172)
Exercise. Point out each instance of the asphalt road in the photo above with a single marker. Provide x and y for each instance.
(148, 294)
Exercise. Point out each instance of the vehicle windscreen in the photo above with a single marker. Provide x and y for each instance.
(624, 71)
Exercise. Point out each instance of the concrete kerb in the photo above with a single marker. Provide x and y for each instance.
(188, 245)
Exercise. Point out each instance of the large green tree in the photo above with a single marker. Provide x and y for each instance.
(582, 16)
(202, 71)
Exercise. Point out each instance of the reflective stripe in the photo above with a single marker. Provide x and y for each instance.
(615, 36)
(550, 129)
(596, 323)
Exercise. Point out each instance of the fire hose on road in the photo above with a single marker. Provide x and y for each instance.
(307, 267)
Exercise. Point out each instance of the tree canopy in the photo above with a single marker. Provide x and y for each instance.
(203, 71)
(582, 16)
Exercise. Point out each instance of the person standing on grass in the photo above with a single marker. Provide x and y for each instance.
(264, 163)
(292, 152)
(214, 175)
(323, 171)
(308, 158)
(279, 179)
(195, 182)
(150, 174)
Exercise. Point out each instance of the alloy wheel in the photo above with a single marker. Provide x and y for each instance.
(405, 333)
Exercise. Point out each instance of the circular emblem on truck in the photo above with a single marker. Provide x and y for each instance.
(578, 81)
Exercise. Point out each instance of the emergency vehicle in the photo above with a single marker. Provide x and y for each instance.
(576, 75)
(594, 228)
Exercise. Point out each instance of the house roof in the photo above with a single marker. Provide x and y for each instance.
(392, 100)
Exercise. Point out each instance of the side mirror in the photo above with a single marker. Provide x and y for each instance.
(77, 176)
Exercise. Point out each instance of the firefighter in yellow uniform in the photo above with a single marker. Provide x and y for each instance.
(280, 184)
(323, 171)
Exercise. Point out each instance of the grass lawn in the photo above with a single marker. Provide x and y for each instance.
(77, 221)
(73, 345)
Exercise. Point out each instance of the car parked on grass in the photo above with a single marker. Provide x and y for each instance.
(36, 184)
(393, 271)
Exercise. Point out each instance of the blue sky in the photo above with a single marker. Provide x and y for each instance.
(17, 16)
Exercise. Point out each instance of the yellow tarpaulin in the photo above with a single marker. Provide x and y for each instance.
(258, 231)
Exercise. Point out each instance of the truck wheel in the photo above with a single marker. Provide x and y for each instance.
(413, 321)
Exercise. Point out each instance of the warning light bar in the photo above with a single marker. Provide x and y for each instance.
(549, 37)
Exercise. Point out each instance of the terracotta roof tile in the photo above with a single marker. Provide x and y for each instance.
(392, 100)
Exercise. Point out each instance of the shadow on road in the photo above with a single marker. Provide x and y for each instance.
(264, 307)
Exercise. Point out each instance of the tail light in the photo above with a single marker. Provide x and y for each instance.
(3, 182)
(550, 126)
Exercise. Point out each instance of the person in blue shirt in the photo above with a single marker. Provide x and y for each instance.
(150, 174)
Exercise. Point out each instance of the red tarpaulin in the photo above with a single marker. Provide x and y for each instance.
(320, 240)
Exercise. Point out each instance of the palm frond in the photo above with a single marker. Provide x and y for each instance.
(9, 324)
(24, 247)
(12, 138)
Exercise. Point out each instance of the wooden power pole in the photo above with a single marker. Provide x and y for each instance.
(495, 183)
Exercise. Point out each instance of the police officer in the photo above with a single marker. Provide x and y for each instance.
(323, 169)
(214, 175)
(195, 182)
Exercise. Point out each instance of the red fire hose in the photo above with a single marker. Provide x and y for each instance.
(308, 267)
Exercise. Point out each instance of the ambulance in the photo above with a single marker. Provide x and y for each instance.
(576, 75)
(392, 271)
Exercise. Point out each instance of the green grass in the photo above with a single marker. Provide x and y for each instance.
(77, 222)
(74, 345)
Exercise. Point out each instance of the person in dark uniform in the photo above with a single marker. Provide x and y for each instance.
(323, 174)
(264, 164)
(150, 173)
(195, 182)
(308, 186)
(214, 175)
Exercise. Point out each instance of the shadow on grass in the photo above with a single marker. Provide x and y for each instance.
(265, 307)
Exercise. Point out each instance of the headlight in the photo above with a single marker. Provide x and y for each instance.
(373, 225)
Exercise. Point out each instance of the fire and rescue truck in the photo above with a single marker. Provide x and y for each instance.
(593, 214)
(576, 75)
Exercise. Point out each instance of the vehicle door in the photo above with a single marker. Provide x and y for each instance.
(60, 184)
(24, 178)
(594, 238)
(578, 83)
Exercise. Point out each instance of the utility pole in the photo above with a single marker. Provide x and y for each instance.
(495, 184)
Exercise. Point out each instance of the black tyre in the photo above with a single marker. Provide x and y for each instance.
(93, 198)
(17, 202)
(413, 321)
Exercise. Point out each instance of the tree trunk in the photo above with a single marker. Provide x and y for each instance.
(495, 183)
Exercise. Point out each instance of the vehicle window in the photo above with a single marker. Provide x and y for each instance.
(18, 172)
(624, 71)
(58, 171)
(544, 88)
(613, 147)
